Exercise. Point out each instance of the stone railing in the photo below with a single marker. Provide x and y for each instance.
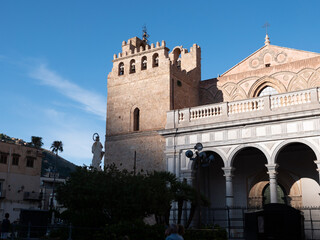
(289, 99)
(249, 108)
(248, 105)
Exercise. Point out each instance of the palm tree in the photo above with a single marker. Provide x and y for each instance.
(36, 142)
(56, 147)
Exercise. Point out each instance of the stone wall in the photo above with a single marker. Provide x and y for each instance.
(156, 86)
(286, 77)
(149, 147)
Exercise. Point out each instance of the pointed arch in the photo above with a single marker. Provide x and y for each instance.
(266, 82)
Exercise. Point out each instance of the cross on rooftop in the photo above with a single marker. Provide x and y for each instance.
(266, 25)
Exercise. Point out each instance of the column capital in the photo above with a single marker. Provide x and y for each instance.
(228, 171)
(272, 169)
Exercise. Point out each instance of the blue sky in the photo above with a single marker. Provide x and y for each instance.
(55, 55)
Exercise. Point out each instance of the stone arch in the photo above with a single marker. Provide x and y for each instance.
(215, 150)
(297, 83)
(121, 69)
(265, 82)
(234, 91)
(290, 185)
(155, 60)
(177, 53)
(132, 66)
(314, 80)
(235, 151)
(144, 63)
(132, 117)
(283, 144)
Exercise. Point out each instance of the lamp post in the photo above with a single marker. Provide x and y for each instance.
(200, 160)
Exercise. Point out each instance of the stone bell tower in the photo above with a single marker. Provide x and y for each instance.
(146, 81)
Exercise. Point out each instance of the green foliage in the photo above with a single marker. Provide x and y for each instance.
(36, 142)
(217, 233)
(51, 161)
(118, 198)
(57, 147)
(135, 230)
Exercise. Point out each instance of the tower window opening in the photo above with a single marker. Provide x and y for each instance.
(132, 66)
(268, 64)
(121, 69)
(144, 63)
(136, 120)
(155, 60)
(179, 64)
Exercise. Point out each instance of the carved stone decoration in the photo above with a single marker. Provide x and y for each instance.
(281, 57)
(264, 82)
(297, 83)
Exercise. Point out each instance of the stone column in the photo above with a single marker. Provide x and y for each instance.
(229, 187)
(317, 162)
(272, 171)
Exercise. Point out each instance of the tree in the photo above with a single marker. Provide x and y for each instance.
(96, 198)
(56, 147)
(36, 142)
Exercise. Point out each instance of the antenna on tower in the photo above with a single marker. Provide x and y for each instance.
(145, 35)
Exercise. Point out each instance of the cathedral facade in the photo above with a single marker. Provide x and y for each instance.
(260, 120)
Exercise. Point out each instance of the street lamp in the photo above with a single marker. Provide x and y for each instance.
(200, 160)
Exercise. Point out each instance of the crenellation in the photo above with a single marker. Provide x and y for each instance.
(163, 43)
(114, 56)
(152, 45)
(157, 44)
(124, 43)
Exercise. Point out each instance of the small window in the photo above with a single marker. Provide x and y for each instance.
(30, 162)
(3, 158)
(179, 64)
(267, 64)
(136, 119)
(121, 69)
(155, 60)
(144, 63)
(15, 159)
(132, 66)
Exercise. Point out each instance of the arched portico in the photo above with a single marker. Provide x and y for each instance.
(237, 149)
(248, 164)
(298, 172)
(281, 145)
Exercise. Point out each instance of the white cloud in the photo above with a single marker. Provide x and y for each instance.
(90, 101)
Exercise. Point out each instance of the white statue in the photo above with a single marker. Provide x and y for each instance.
(97, 152)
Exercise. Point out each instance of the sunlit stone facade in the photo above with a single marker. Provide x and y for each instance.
(260, 119)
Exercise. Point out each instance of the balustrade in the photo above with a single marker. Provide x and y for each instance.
(263, 105)
(289, 99)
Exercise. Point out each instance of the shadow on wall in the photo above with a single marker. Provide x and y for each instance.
(209, 92)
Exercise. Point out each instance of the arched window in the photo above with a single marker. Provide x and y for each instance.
(136, 119)
(155, 60)
(132, 66)
(144, 63)
(177, 57)
(267, 91)
(121, 68)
